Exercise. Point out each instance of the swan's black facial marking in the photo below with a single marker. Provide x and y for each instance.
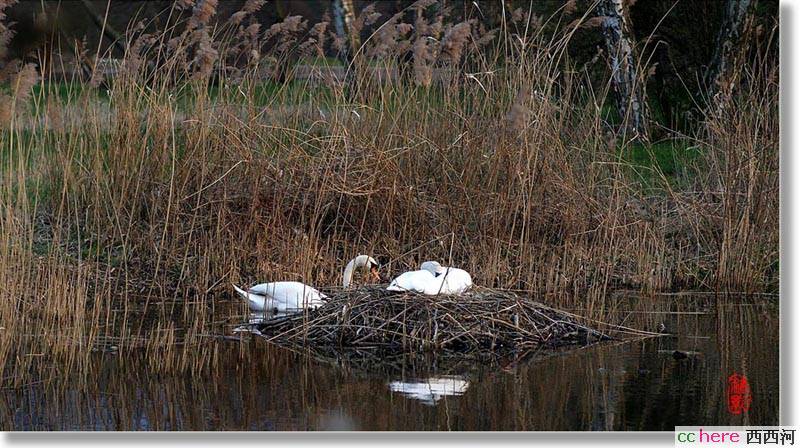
(379, 261)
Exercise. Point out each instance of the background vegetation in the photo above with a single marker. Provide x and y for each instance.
(203, 150)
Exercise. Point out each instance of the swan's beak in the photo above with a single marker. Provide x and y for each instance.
(375, 274)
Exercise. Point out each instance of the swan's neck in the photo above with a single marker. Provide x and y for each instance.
(358, 262)
(347, 277)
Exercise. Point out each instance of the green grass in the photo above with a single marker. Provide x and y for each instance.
(268, 93)
(66, 90)
(651, 164)
(673, 161)
(327, 61)
(20, 151)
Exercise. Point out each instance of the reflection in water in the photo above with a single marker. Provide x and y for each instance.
(636, 385)
(431, 390)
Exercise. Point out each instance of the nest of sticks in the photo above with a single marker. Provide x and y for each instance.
(481, 321)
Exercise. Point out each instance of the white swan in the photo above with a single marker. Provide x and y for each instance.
(432, 279)
(361, 261)
(448, 280)
(283, 297)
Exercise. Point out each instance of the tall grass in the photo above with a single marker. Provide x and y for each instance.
(124, 218)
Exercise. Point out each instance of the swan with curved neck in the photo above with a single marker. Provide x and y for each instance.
(361, 261)
(286, 297)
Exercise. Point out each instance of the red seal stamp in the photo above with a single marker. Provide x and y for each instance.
(738, 394)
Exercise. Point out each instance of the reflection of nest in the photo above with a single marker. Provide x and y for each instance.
(483, 321)
(411, 365)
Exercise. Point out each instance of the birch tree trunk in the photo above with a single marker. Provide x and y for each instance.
(343, 18)
(728, 39)
(349, 18)
(624, 80)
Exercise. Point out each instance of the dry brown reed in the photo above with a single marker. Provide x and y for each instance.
(202, 13)
(124, 225)
(482, 321)
(570, 6)
(454, 41)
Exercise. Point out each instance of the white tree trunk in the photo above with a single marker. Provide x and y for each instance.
(349, 19)
(343, 18)
(624, 79)
(728, 40)
(340, 26)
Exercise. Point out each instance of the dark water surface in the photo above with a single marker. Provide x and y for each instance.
(629, 386)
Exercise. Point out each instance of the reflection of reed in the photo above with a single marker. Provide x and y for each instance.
(748, 343)
(254, 386)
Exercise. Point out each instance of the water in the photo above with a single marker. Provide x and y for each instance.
(625, 386)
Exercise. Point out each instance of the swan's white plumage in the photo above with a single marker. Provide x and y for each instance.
(432, 279)
(281, 297)
(413, 281)
(290, 297)
(456, 281)
(448, 280)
